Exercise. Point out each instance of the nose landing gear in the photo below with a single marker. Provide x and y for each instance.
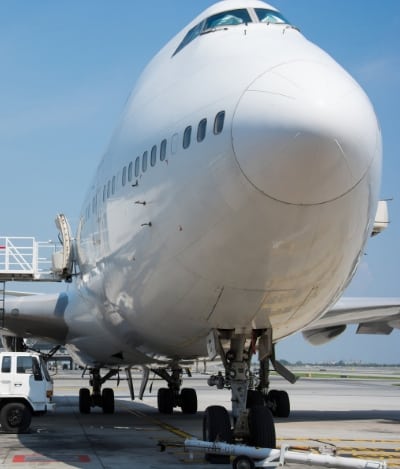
(98, 398)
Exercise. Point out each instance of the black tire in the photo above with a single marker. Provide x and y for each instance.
(243, 462)
(108, 402)
(188, 401)
(85, 401)
(262, 427)
(284, 404)
(279, 403)
(15, 417)
(165, 401)
(217, 427)
(254, 398)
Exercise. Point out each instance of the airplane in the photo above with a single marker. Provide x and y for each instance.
(230, 210)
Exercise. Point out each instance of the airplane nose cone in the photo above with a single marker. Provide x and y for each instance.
(305, 133)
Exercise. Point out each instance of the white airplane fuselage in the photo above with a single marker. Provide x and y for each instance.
(258, 226)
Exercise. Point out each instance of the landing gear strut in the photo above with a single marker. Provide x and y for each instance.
(173, 396)
(252, 406)
(98, 398)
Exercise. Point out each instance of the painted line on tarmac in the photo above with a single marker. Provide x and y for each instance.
(165, 426)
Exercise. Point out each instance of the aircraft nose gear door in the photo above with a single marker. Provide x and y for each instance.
(63, 260)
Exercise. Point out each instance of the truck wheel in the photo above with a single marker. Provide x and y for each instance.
(15, 417)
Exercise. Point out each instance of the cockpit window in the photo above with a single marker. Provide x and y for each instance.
(220, 20)
(192, 34)
(270, 16)
(227, 18)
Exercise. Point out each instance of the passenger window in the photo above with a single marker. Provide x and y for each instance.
(201, 130)
(124, 176)
(113, 185)
(6, 365)
(137, 166)
(186, 136)
(219, 122)
(174, 144)
(153, 155)
(227, 18)
(104, 193)
(144, 162)
(163, 150)
(108, 189)
(130, 167)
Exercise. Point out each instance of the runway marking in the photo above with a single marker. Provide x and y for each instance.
(39, 458)
(160, 423)
(360, 448)
(365, 452)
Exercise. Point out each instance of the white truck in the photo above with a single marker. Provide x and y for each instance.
(26, 389)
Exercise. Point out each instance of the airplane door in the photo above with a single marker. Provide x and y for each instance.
(63, 260)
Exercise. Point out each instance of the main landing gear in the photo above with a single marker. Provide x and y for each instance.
(173, 396)
(98, 398)
(252, 404)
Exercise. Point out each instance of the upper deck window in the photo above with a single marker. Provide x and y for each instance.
(227, 18)
(270, 16)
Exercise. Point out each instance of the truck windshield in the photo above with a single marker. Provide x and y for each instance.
(45, 370)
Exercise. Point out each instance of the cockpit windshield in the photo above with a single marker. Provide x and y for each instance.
(231, 18)
(270, 16)
(227, 18)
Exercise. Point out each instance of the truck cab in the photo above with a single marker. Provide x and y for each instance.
(26, 389)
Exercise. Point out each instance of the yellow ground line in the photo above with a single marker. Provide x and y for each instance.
(339, 440)
(165, 426)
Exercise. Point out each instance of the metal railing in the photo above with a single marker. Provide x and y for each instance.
(24, 258)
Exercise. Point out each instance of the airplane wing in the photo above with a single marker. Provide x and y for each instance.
(373, 316)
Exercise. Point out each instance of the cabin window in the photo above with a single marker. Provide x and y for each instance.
(113, 185)
(104, 193)
(153, 155)
(187, 136)
(108, 189)
(6, 365)
(137, 166)
(270, 16)
(201, 130)
(163, 150)
(219, 122)
(144, 162)
(227, 18)
(130, 167)
(174, 144)
(124, 176)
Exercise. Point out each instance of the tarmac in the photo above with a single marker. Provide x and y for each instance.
(360, 417)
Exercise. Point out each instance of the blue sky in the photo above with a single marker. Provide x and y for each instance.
(67, 68)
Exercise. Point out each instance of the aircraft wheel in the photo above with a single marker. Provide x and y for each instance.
(262, 427)
(165, 401)
(217, 427)
(188, 401)
(15, 417)
(279, 402)
(108, 402)
(254, 398)
(243, 462)
(84, 401)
